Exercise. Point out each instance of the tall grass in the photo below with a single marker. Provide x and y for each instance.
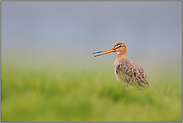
(92, 94)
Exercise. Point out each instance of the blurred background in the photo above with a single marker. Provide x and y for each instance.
(49, 72)
(60, 32)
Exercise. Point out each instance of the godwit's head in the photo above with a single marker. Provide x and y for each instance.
(120, 49)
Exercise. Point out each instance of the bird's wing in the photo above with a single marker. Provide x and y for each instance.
(132, 73)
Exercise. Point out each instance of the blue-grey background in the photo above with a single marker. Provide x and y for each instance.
(58, 33)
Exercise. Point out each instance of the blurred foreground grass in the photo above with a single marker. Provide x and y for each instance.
(60, 94)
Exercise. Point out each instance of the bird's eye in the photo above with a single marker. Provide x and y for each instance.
(119, 46)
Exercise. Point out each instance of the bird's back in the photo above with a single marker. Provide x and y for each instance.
(130, 73)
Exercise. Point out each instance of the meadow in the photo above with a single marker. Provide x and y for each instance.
(36, 93)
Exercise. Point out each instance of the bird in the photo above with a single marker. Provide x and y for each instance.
(126, 71)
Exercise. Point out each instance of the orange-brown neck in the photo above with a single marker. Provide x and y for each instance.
(121, 54)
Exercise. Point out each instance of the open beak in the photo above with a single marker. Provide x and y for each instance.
(105, 52)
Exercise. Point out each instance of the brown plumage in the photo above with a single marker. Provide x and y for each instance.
(126, 71)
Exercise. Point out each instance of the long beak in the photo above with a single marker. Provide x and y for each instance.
(109, 51)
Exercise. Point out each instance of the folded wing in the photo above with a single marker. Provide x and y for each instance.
(130, 73)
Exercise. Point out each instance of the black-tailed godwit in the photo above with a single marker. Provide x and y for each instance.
(126, 71)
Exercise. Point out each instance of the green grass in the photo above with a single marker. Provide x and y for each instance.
(87, 94)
